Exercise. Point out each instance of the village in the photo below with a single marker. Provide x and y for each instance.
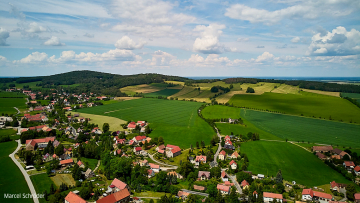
(55, 140)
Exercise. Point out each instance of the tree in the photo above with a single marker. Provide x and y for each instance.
(279, 178)
(197, 145)
(161, 140)
(250, 90)
(244, 176)
(231, 86)
(233, 198)
(212, 191)
(106, 127)
(151, 201)
(45, 195)
(59, 150)
(214, 89)
(147, 129)
(52, 188)
(215, 172)
(191, 198)
(350, 191)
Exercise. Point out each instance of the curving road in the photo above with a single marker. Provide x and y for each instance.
(219, 148)
(233, 179)
(27, 177)
(161, 163)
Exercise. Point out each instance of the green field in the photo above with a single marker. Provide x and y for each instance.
(12, 180)
(92, 162)
(41, 183)
(352, 95)
(296, 164)
(163, 93)
(12, 94)
(6, 132)
(296, 128)
(237, 129)
(219, 111)
(176, 121)
(308, 104)
(7, 105)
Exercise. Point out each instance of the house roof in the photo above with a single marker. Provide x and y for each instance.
(322, 148)
(204, 173)
(343, 153)
(115, 197)
(41, 140)
(197, 187)
(119, 184)
(199, 158)
(322, 195)
(222, 153)
(138, 138)
(138, 149)
(131, 125)
(357, 169)
(272, 195)
(308, 192)
(154, 165)
(357, 196)
(79, 163)
(232, 162)
(182, 193)
(223, 188)
(320, 155)
(162, 147)
(150, 172)
(67, 161)
(74, 198)
(349, 163)
(175, 149)
(337, 151)
(227, 137)
(235, 154)
(223, 174)
(244, 183)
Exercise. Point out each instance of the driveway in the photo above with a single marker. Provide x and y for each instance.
(27, 177)
(233, 179)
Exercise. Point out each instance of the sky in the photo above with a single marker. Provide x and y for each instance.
(310, 38)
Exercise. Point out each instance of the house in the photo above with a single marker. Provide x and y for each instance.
(244, 184)
(336, 151)
(339, 187)
(233, 164)
(80, 164)
(151, 173)
(64, 157)
(310, 195)
(349, 165)
(261, 176)
(235, 155)
(47, 157)
(229, 146)
(56, 143)
(357, 197)
(144, 162)
(117, 185)
(255, 194)
(200, 159)
(199, 188)
(131, 126)
(357, 170)
(174, 173)
(122, 196)
(204, 175)
(154, 167)
(89, 173)
(224, 177)
(269, 197)
(222, 155)
(137, 150)
(139, 138)
(322, 149)
(34, 143)
(183, 195)
(321, 156)
(172, 151)
(223, 189)
(73, 198)
(343, 153)
(67, 162)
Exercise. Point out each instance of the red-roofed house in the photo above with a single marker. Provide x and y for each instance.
(137, 150)
(172, 151)
(139, 138)
(233, 164)
(183, 195)
(122, 196)
(131, 125)
(80, 164)
(120, 141)
(117, 185)
(307, 194)
(322, 149)
(224, 177)
(199, 188)
(349, 165)
(223, 189)
(357, 197)
(222, 155)
(151, 173)
(74, 198)
(269, 197)
(357, 170)
(200, 159)
(340, 187)
(204, 175)
(310, 195)
(235, 155)
(32, 144)
(154, 167)
(244, 184)
(321, 156)
(66, 162)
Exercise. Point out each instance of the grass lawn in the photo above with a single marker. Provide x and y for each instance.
(296, 164)
(58, 179)
(296, 128)
(176, 121)
(352, 95)
(7, 105)
(101, 119)
(10, 174)
(307, 104)
(163, 93)
(237, 129)
(110, 101)
(219, 111)
(6, 132)
(92, 162)
(12, 95)
(41, 183)
(150, 194)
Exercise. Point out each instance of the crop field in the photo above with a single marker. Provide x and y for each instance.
(208, 86)
(334, 94)
(352, 95)
(7, 105)
(101, 119)
(237, 129)
(11, 174)
(176, 121)
(286, 89)
(296, 164)
(163, 93)
(184, 91)
(219, 111)
(176, 82)
(296, 128)
(307, 104)
(41, 183)
(131, 90)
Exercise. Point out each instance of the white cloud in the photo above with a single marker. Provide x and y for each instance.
(161, 58)
(54, 41)
(149, 30)
(35, 57)
(245, 39)
(4, 34)
(2, 58)
(266, 56)
(127, 43)
(89, 35)
(209, 43)
(306, 9)
(295, 39)
(35, 28)
(148, 11)
(338, 42)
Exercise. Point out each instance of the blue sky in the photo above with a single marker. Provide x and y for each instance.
(186, 38)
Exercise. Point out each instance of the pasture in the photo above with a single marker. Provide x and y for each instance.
(352, 95)
(334, 94)
(131, 90)
(219, 111)
(12, 95)
(296, 128)
(306, 104)
(11, 174)
(296, 164)
(7, 105)
(58, 179)
(176, 121)
(237, 129)
(286, 89)
(6, 132)
(41, 183)
(163, 93)
(101, 119)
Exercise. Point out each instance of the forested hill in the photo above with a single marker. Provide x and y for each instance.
(313, 85)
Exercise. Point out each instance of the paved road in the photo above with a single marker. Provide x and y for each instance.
(171, 166)
(17, 110)
(97, 166)
(27, 177)
(233, 179)
(219, 148)
(195, 193)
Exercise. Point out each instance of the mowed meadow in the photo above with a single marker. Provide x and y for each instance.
(296, 164)
(306, 104)
(176, 121)
(9, 100)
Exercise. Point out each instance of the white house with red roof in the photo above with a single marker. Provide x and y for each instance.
(233, 164)
(269, 197)
(120, 141)
(131, 125)
(235, 155)
(223, 189)
(224, 177)
(117, 185)
(357, 197)
(73, 198)
(80, 164)
(154, 167)
(222, 155)
(244, 184)
(200, 159)
(204, 175)
(357, 170)
(172, 151)
(139, 138)
(151, 173)
(309, 194)
(349, 165)
(137, 150)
